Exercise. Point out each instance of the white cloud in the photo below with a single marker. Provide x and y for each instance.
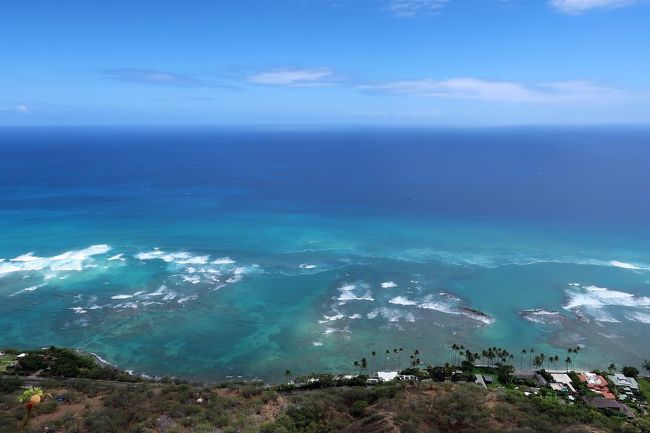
(20, 108)
(575, 7)
(292, 77)
(500, 91)
(413, 7)
(150, 76)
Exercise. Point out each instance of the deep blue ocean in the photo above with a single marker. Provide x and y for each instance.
(217, 253)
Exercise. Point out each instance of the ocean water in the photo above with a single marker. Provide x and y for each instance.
(225, 253)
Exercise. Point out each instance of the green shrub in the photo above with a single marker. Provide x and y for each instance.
(10, 384)
(358, 408)
(630, 371)
(8, 423)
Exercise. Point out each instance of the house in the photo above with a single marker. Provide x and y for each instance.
(387, 376)
(559, 387)
(597, 384)
(532, 376)
(622, 381)
(480, 381)
(563, 379)
(604, 403)
(407, 377)
(488, 379)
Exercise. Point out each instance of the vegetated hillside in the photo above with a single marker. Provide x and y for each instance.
(90, 406)
(84, 396)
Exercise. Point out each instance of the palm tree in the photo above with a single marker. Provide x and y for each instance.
(287, 373)
(530, 357)
(387, 357)
(521, 363)
(568, 362)
(356, 364)
(454, 348)
(611, 368)
(575, 354)
(399, 357)
(364, 364)
(394, 356)
(372, 364)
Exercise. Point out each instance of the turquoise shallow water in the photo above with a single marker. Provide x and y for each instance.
(239, 254)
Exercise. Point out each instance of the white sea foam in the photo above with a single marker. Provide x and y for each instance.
(194, 279)
(237, 275)
(126, 305)
(541, 316)
(599, 297)
(639, 317)
(194, 260)
(223, 261)
(117, 257)
(119, 297)
(393, 315)
(401, 300)
(74, 260)
(438, 306)
(187, 298)
(161, 291)
(388, 285)
(355, 316)
(307, 266)
(450, 304)
(316, 343)
(78, 310)
(424, 255)
(347, 294)
(595, 300)
(337, 316)
(180, 257)
(170, 296)
(625, 265)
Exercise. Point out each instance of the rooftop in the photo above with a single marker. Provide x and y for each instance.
(623, 381)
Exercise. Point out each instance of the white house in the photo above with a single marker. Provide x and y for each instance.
(387, 376)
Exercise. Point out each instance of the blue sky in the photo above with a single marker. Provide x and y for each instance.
(325, 62)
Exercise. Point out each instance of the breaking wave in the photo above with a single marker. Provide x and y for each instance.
(74, 260)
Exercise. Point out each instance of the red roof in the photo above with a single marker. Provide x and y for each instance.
(608, 395)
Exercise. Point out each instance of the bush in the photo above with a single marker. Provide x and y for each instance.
(8, 423)
(358, 408)
(10, 384)
(630, 371)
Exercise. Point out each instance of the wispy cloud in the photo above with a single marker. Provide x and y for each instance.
(414, 7)
(151, 76)
(286, 77)
(500, 91)
(421, 114)
(576, 7)
(20, 109)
